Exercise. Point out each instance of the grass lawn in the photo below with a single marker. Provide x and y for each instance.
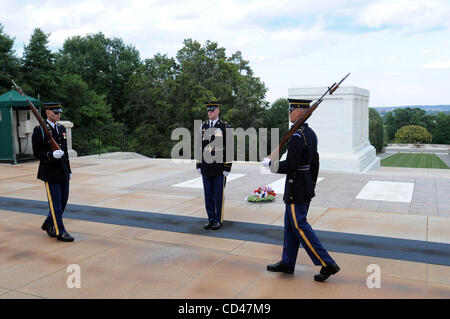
(413, 160)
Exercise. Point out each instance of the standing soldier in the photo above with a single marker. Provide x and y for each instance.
(302, 168)
(213, 165)
(54, 170)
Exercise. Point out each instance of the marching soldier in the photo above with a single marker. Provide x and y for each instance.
(54, 170)
(213, 165)
(302, 168)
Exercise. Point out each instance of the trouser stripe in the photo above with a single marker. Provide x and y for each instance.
(52, 210)
(223, 198)
(304, 236)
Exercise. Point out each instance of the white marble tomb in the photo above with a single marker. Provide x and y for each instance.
(341, 123)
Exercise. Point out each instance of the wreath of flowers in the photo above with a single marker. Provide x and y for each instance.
(262, 194)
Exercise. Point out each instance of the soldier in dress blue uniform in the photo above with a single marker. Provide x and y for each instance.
(301, 166)
(214, 173)
(54, 170)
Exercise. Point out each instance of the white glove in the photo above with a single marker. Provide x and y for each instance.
(225, 173)
(70, 176)
(266, 162)
(199, 170)
(58, 154)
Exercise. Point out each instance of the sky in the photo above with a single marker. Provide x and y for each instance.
(398, 50)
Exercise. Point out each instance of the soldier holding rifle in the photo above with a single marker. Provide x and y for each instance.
(301, 167)
(54, 170)
(49, 141)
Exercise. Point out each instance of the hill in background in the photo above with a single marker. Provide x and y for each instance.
(431, 109)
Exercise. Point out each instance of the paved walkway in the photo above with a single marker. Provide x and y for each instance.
(422, 148)
(138, 236)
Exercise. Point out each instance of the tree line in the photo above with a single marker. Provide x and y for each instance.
(118, 101)
(115, 98)
(408, 125)
(420, 126)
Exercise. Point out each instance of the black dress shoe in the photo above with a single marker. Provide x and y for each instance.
(216, 226)
(64, 236)
(326, 272)
(49, 229)
(208, 225)
(280, 267)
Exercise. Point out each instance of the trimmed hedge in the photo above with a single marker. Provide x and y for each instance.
(412, 134)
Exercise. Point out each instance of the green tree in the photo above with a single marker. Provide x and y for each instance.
(9, 63)
(277, 115)
(104, 64)
(376, 130)
(398, 118)
(441, 129)
(151, 112)
(228, 79)
(248, 94)
(94, 127)
(38, 69)
(412, 134)
(166, 93)
(83, 106)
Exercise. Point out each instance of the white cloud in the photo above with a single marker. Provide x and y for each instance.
(392, 60)
(432, 51)
(438, 65)
(288, 42)
(416, 15)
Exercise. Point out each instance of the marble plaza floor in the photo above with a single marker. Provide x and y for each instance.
(137, 224)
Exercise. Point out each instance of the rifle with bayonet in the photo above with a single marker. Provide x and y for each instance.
(304, 117)
(38, 116)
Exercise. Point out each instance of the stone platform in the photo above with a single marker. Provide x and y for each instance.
(138, 234)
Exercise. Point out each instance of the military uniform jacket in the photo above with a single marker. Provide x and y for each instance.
(51, 170)
(301, 166)
(217, 167)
